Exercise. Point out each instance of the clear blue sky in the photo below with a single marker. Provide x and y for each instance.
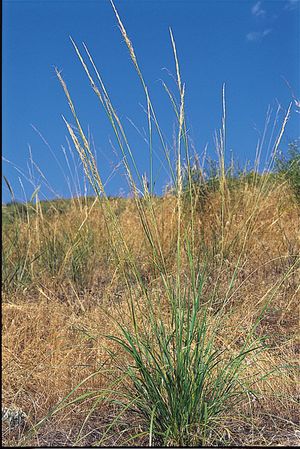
(249, 45)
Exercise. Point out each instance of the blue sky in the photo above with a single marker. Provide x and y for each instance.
(252, 47)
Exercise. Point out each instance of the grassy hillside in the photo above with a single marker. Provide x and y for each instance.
(63, 293)
(155, 321)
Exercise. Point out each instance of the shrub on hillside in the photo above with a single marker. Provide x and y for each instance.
(206, 181)
(289, 167)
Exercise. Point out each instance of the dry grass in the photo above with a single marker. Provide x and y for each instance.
(54, 330)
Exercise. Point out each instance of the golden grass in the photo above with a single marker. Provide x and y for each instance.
(54, 330)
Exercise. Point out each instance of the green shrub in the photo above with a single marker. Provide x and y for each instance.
(288, 167)
(207, 181)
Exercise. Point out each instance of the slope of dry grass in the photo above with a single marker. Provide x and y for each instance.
(54, 324)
